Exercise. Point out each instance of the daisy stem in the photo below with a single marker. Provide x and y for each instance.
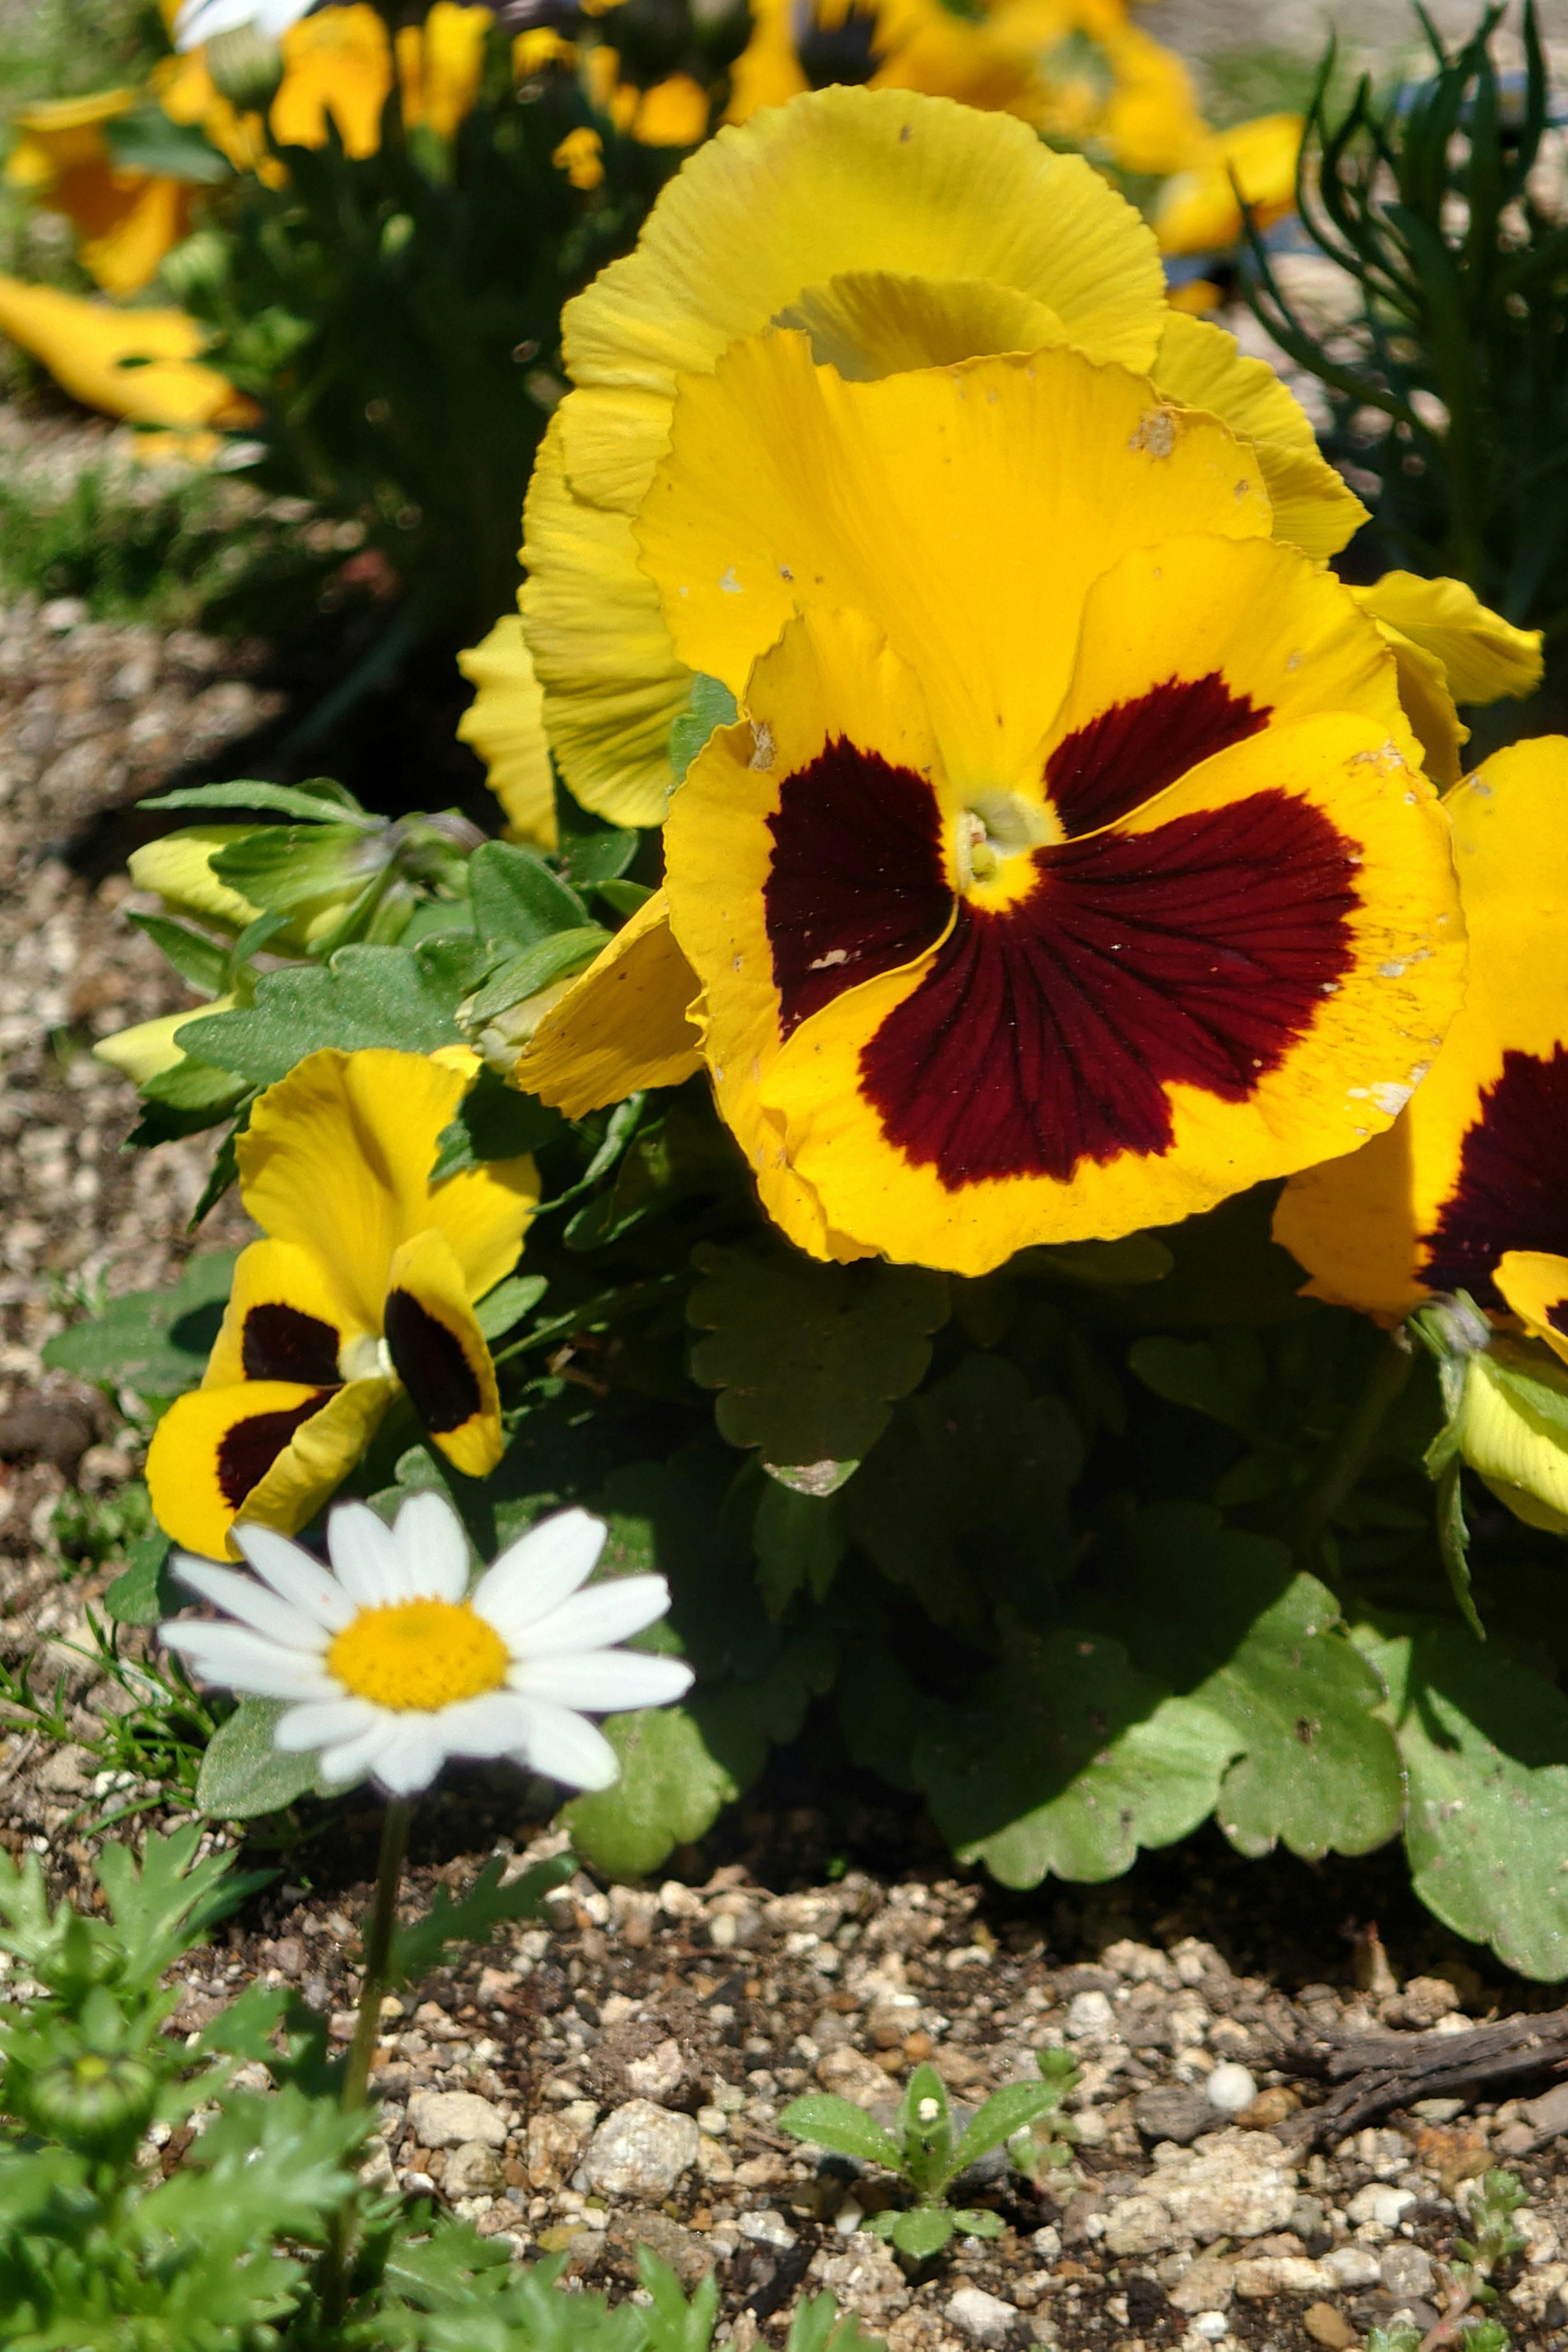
(395, 1829)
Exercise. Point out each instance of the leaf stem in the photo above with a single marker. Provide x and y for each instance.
(1348, 1454)
(395, 1830)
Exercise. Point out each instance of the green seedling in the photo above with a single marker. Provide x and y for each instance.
(921, 2152)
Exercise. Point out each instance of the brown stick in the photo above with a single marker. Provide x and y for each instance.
(1380, 2072)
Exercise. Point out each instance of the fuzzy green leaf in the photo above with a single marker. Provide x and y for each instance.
(847, 2130)
(919, 2234)
(517, 902)
(1485, 1744)
(799, 1541)
(671, 1791)
(146, 1591)
(1011, 2109)
(243, 1772)
(363, 996)
(710, 704)
(156, 1342)
(808, 1359)
(1066, 1760)
(978, 2221)
(494, 1121)
(318, 800)
(509, 1302)
(200, 961)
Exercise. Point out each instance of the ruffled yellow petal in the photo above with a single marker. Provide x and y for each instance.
(505, 724)
(783, 482)
(1484, 657)
(288, 1319)
(269, 1451)
(1474, 1167)
(148, 1049)
(337, 1157)
(1199, 364)
(136, 363)
(622, 1025)
(1534, 1286)
(1196, 210)
(613, 687)
(868, 323)
(440, 1356)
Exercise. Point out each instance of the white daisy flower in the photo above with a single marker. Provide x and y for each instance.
(395, 1664)
(200, 20)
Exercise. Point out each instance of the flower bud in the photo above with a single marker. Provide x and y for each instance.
(148, 1049)
(247, 68)
(91, 2102)
(1513, 1428)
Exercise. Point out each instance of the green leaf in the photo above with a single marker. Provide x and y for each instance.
(419, 1947)
(243, 1773)
(589, 860)
(517, 902)
(965, 1500)
(809, 1358)
(919, 2234)
(1011, 2109)
(709, 705)
(245, 2028)
(1230, 1620)
(166, 1903)
(507, 1303)
(282, 867)
(817, 2328)
(522, 976)
(318, 800)
(156, 1342)
(1454, 1544)
(673, 2324)
(1485, 1744)
(1134, 1259)
(671, 1791)
(685, 1152)
(1223, 1377)
(847, 2130)
(799, 1541)
(192, 1086)
(199, 961)
(145, 1592)
(363, 995)
(494, 1121)
(147, 139)
(978, 2221)
(1066, 1760)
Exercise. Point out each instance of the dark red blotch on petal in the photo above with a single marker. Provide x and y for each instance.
(432, 1362)
(1130, 752)
(279, 1342)
(1512, 1188)
(1046, 1035)
(249, 1448)
(857, 884)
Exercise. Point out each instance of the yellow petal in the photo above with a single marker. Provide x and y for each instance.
(1473, 1168)
(178, 867)
(505, 724)
(272, 1452)
(337, 1157)
(1518, 1453)
(1534, 1285)
(1484, 657)
(136, 363)
(673, 113)
(337, 71)
(1428, 703)
(1201, 365)
(622, 1025)
(783, 481)
(288, 1319)
(148, 1049)
(440, 64)
(1196, 210)
(868, 323)
(440, 1356)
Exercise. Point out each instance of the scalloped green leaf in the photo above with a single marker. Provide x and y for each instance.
(363, 995)
(156, 1342)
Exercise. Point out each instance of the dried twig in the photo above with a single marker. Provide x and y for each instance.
(1379, 2071)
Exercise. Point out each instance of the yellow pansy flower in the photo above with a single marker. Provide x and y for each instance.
(912, 45)
(1469, 1189)
(139, 364)
(1196, 210)
(900, 232)
(126, 220)
(364, 1288)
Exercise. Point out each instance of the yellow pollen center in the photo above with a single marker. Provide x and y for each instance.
(419, 1653)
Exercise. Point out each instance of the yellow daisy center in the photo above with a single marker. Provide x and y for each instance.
(419, 1653)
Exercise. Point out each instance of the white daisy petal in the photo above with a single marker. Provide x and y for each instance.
(536, 1574)
(351, 1760)
(432, 1547)
(492, 1725)
(606, 1680)
(413, 1755)
(322, 1720)
(245, 1662)
(592, 1620)
(201, 20)
(252, 1603)
(292, 1571)
(568, 1748)
(368, 1563)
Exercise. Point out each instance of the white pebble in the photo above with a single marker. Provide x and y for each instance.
(1211, 2326)
(1230, 2088)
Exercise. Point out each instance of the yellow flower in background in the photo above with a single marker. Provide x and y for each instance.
(1196, 211)
(126, 220)
(363, 1289)
(505, 724)
(139, 364)
(1028, 901)
(1103, 83)
(581, 155)
(914, 45)
(1469, 1189)
(673, 113)
(902, 232)
(337, 71)
(439, 65)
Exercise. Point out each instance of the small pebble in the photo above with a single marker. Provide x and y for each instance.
(984, 2318)
(1230, 2088)
(1211, 2326)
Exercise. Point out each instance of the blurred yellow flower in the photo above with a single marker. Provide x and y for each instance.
(581, 155)
(800, 45)
(126, 220)
(673, 113)
(439, 65)
(139, 364)
(1197, 210)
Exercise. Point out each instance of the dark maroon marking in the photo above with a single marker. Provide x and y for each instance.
(431, 1362)
(1046, 1035)
(1513, 1188)
(1558, 1316)
(1121, 759)
(283, 1343)
(856, 884)
(249, 1448)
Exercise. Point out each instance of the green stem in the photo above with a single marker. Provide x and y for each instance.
(378, 1948)
(1349, 1454)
